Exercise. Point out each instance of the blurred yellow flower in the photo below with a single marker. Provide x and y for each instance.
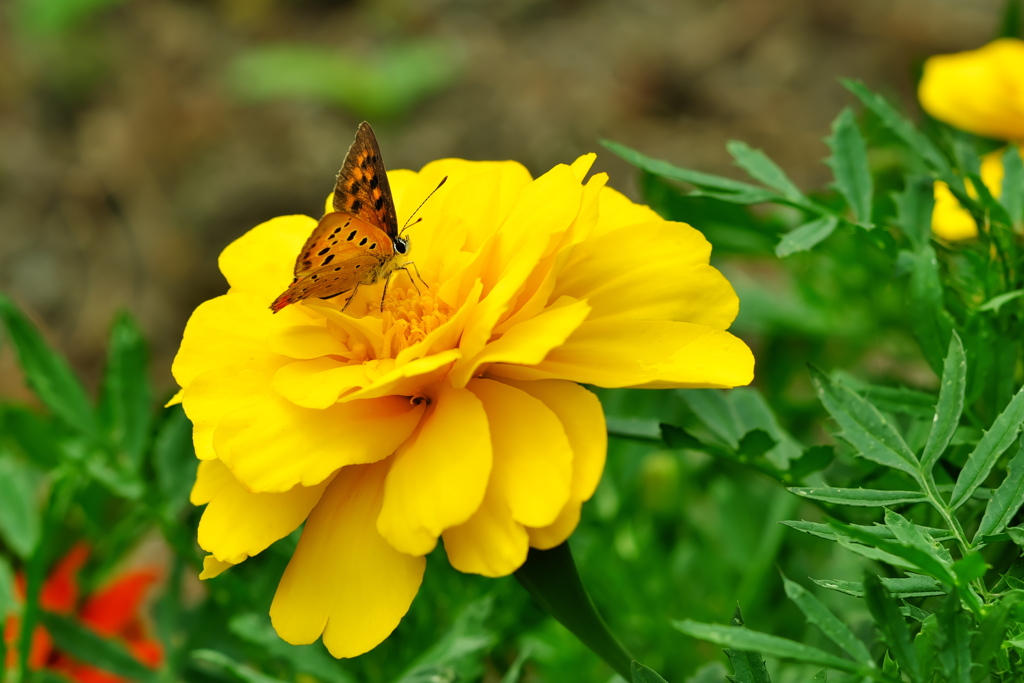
(950, 220)
(454, 413)
(980, 91)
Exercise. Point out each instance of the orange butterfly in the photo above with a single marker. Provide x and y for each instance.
(355, 244)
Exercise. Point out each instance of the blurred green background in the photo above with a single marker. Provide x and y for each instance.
(138, 138)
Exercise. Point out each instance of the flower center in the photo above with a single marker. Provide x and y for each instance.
(409, 316)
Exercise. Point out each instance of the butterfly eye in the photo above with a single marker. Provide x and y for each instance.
(401, 246)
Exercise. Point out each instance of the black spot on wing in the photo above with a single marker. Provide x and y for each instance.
(323, 251)
(351, 235)
(363, 241)
(328, 260)
(356, 205)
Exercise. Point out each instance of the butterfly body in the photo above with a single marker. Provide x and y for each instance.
(356, 244)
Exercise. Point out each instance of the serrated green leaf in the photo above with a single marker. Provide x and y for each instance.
(996, 440)
(859, 497)
(920, 559)
(716, 412)
(307, 659)
(461, 650)
(738, 638)
(46, 372)
(806, 236)
(894, 629)
(814, 459)
(88, 647)
(827, 532)
(125, 406)
(849, 164)
(909, 535)
(1016, 534)
(950, 405)
(20, 516)
(762, 169)
(899, 400)
(677, 437)
(914, 208)
(914, 586)
(821, 676)
(1012, 195)
(642, 674)
(929, 319)
(1006, 500)
(755, 196)
(666, 170)
(900, 125)
(819, 615)
(755, 443)
(863, 426)
(969, 568)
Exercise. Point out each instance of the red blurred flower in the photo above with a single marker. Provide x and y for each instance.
(111, 612)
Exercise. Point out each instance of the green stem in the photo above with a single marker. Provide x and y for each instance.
(550, 576)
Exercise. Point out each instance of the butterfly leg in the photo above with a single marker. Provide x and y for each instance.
(405, 267)
(385, 292)
(349, 300)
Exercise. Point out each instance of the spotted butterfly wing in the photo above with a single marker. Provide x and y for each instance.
(354, 244)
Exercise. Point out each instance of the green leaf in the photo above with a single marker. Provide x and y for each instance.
(747, 666)
(909, 535)
(1006, 500)
(950, 405)
(126, 402)
(953, 641)
(825, 531)
(762, 169)
(739, 638)
(20, 517)
(898, 400)
(996, 440)
(755, 196)
(996, 302)
(901, 126)
(969, 568)
(914, 208)
(918, 558)
(820, 677)
(755, 443)
(806, 236)
(716, 412)
(677, 437)
(860, 497)
(550, 576)
(931, 323)
(890, 622)
(666, 170)
(830, 625)
(864, 427)
(220, 662)
(46, 372)
(88, 647)
(1012, 195)
(849, 164)
(643, 674)
(174, 461)
(914, 586)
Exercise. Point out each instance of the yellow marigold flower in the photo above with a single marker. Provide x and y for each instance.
(980, 91)
(455, 413)
(950, 220)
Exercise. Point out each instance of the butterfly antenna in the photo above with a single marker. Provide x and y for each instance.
(409, 222)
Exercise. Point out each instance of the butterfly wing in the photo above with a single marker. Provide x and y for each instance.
(342, 252)
(362, 188)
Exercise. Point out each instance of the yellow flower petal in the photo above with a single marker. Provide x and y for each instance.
(951, 221)
(667, 277)
(238, 523)
(261, 262)
(212, 567)
(528, 342)
(211, 477)
(220, 391)
(558, 531)
(438, 477)
(490, 543)
(306, 342)
(532, 457)
(608, 353)
(980, 91)
(176, 399)
(344, 580)
(229, 330)
(273, 445)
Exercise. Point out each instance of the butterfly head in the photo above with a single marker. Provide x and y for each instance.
(401, 245)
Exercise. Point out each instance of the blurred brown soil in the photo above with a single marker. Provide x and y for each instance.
(126, 165)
